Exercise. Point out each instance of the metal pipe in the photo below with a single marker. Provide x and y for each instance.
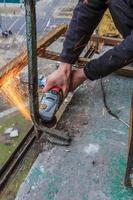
(32, 59)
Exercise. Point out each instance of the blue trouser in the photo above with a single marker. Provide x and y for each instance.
(85, 19)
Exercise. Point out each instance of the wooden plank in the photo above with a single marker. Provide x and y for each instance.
(129, 170)
(18, 63)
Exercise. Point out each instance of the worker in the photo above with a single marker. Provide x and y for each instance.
(86, 17)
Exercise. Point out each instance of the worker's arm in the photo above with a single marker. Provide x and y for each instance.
(86, 16)
(112, 60)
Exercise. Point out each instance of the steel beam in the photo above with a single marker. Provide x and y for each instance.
(32, 60)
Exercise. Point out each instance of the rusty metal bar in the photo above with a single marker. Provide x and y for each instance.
(126, 71)
(15, 158)
(111, 41)
(32, 60)
(33, 76)
(106, 40)
(56, 57)
(19, 62)
(129, 170)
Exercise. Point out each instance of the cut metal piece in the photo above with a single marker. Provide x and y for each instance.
(61, 135)
(55, 141)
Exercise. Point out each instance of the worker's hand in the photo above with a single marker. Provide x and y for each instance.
(60, 78)
(77, 78)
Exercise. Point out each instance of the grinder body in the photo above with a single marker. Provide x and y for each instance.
(50, 102)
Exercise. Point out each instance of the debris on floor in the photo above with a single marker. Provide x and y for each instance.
(93, 167)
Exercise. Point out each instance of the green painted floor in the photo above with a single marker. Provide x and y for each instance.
(93, 167)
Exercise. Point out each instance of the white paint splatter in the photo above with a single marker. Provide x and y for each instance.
(91, 149)
(42, 169)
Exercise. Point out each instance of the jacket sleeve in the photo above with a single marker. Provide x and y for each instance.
(86, 17)
(112, 60)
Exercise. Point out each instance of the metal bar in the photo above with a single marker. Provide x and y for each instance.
(16, 157)
(32, 59)
(55, 133)
(56, 57)
(126, 71)
(106, 40)
(90, 52)
(19, 62)
(129, 170)
(111, 41)
(51, 37)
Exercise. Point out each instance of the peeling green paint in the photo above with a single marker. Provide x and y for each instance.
(35, 176)
(115, 179)
(53, 187)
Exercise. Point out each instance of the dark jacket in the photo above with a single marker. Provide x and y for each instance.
(85, 19)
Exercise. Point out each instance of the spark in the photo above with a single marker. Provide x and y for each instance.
(14, 95)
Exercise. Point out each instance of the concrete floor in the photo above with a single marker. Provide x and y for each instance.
(93, 167)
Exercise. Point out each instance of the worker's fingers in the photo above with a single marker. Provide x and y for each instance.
(65, 91)
(45, 89)
(48, 86)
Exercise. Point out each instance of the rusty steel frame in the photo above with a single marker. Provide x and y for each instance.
(19, 62)
(32, 61)
(33, 76)
(126, 71)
